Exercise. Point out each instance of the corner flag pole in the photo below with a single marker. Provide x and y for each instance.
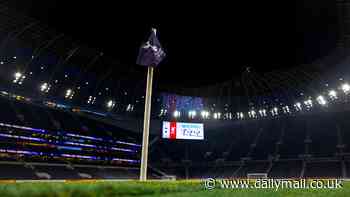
(146, 125)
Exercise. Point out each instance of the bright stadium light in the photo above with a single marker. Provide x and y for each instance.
(346, 88)
(217, 115)
(69, 94)
(91, 100)
(110, 104)
(177, 114)
(298, 106)
(321, 100)
(228, 116)
(308, 103)
(192, 114)
(286, 109)
(332, 94)
(205, 114)
(45, 87)
(252, 114)
(240, 115)
(18, 75)
(19, 78)
(274, 111)
(130, 108)
(163, 112)
(262, 112)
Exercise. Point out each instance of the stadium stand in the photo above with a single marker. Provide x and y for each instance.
(323, 169)
(71, 146)
(291, 147)
(27, 136)
(286, 168)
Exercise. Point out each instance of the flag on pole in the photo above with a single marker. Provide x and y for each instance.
(151, 52)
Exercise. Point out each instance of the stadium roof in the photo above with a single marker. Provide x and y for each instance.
(248, 47)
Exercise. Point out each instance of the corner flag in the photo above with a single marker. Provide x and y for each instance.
(150, 55)
(151, 52)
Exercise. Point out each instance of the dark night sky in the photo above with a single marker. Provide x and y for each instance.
(205, 42)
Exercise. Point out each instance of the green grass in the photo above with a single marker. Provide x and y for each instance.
(153, 188)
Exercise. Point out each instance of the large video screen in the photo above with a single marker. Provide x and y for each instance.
(182, 103)
(182, 130)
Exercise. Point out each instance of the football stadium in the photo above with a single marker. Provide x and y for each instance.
(150, 107)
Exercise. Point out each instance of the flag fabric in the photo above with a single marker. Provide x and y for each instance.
(151, 52)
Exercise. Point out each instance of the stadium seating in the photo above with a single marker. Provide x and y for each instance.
(251, 167)
(323, 169)
(289, 147)
(302, 146)
(287, 168)
(57, 171)
(16, 171)
(56, 139)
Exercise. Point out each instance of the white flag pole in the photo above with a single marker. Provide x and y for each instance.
(146, 125)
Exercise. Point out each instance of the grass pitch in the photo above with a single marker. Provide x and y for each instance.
(153, 188)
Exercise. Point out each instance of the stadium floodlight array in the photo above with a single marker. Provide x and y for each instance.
(346, 88)
(332, 95)
(177, 114)
(308, 103)
(111, 104)
(163, 112)
(252, 114)
(91, 100)
(274, 111)
(205, 114)
(228, 115)
(217, 115)
(298, 106)
(240, 115)
(321, 100)
(19, 78)
(286, 109)
(262, 112)
(130, 108)
(45, 87)
(69, 94)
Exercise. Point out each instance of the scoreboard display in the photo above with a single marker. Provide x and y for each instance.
(182, 130)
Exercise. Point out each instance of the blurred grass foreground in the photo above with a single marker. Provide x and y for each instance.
(151, 188)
